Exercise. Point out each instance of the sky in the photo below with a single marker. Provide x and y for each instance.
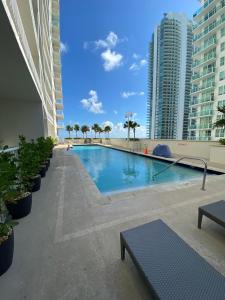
(104, 51)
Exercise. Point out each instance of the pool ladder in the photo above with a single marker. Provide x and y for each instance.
(187, 157)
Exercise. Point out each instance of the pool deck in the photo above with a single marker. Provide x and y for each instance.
(68, 247)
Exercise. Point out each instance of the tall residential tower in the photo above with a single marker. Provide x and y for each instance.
(30, 73)
(208, 71)
(169, 78)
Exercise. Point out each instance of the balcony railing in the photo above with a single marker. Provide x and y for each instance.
(206, 113)
(203, 74)
(202, 21)
(201, 101)
(203, 87)
(197, 63)
(205, 32)
(203, 48)
(205, 126)
(200, 10)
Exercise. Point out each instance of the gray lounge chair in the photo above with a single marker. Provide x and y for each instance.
(214, 211)
(169, 266)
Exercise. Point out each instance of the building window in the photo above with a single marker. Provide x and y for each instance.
(222, 75)
(220, 133)
(222, 90)
(222, 61)
(221, 103)
(222, 46)
(223, 32)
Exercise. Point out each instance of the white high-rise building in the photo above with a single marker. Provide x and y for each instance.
(208, 71)
(30, 69)
(169, 78)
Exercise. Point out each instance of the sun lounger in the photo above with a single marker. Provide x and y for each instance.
(169, 266)
(214, 211)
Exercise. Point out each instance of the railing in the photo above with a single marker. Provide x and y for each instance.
(186, 157)
(203, 48)
(202, 21)
(202, 61)
(206, 4)
(205, 32)
(203, 74)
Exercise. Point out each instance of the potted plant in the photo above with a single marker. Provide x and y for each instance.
(6, 238)
(28, 161)
(12, 188)
(43, 151)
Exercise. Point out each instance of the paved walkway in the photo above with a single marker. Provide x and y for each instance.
(68, 247)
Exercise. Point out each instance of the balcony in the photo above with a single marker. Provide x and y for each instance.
(201, 9)
(199, 76)
(193, 126)
(205, 113)
(193, 114)
(199, 89)
(205, 126)
(58, 94)
(205, 32)
(204, 138)
(59, 115)
(201, 101)
(203, 21)
(60, 126)
(205, 47)
(59, 104)
(201, 62)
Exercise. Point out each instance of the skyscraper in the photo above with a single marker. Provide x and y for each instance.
(208, 71)
(30, 72)
(169, 78)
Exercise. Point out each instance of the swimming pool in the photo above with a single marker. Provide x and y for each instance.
(114, 170)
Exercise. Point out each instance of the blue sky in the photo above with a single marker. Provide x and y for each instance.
(104, 58)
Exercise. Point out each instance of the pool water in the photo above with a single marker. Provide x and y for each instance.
(113, 170)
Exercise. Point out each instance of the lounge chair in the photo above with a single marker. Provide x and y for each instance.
(214, 211)
(170, 267)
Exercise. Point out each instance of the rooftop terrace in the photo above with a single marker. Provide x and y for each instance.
(68, 247)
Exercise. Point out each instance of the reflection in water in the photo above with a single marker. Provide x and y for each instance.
(129, 171)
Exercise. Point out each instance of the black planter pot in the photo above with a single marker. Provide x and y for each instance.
(6, 254)
(43, 170)
(35, 183)
(47, 162)
(21, 208)
(51, 155)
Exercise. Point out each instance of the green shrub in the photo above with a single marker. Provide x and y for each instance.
(222, 141)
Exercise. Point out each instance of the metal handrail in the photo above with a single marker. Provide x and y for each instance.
(187, 157)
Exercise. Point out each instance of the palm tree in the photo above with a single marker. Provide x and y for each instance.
(134, 126)
(95, 128)
(221, 122)
(69, 129)
(100, 130)
(107, 129)
(76, 128)
(85, 129)
(128, 125)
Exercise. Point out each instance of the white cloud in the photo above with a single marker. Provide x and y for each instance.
(140, 63)
(112, 60)
(115, 112)
(136, 56)
(130, 94)
(93, 104)
(64, 47)
(110, 42)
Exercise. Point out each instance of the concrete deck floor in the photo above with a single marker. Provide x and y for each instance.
(68, 247)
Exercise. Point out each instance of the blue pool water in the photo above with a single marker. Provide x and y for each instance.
(113, 170)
